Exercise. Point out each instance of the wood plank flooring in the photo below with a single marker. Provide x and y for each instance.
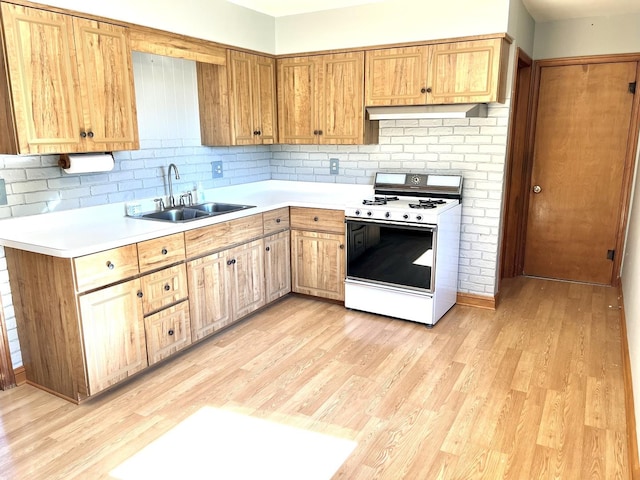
(533, 390)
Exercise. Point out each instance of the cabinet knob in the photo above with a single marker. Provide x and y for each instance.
(341, 247)
(277, 220)
(110, 265)
(429, 90)
(231, 262)
(165, 251)
(90, 134)
(139, 294)
(259, 132)
(316, 132)
(255, 132)
(315, 219)
(319, 132)
(268, 249)
(170, 332)
(167, 287)
(83, 134)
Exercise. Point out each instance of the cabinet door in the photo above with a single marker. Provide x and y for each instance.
(113, 334)
(163, 288)
(297, 85)
(241, 97)
(277, 265)
(468, 72)
(246, 269)
(341, 106)
(209, 295)
(396, 76)
(266, 117)
(106, 79)
(167, 332)
(318, 264)
(44, 79)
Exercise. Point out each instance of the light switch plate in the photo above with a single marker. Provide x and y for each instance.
(334, 166)
(217, 169)
(3, 193)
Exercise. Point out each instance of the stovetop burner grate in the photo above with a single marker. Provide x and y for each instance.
(379, 200)
(427, 203)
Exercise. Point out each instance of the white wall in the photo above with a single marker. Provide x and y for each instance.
(215, 20)
(521, 26)
(390, 21)
(587, 36)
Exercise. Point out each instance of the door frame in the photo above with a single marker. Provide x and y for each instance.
(630, 156)
(514, 215)
(7, 376)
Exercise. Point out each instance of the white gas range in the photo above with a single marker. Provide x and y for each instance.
(403, 246)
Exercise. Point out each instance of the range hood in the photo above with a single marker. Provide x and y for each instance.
(462, 110)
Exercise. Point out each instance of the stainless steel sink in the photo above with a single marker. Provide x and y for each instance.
(194, 212)
(215, 208)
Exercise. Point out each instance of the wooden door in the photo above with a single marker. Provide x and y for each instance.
(468, 72)
(581, 134)
(341, 107)
(209, 295)
(106, 76)
(266, 116)
(167, 332)
(319, 264)
(44, 79)
(241, 98)
(247, 278)
(113, 334)
(396, 76)
(277, 265)
(297, 86)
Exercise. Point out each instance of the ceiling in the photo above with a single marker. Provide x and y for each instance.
(541, 10)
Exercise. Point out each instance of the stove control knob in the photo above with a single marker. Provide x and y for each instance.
(419, 217)
(369, 213)
(387, 215)
(405, 216)
(357, 212)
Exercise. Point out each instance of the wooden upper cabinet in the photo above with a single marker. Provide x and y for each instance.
(69, 83)
(397, 76)
(252, 94)
(320, 100)
(446, 73)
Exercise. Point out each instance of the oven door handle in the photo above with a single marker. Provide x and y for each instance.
(426, 226)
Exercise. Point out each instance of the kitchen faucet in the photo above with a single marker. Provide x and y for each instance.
(172, 201)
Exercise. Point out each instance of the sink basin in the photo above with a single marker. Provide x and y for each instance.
(215, 208)
(194, 212)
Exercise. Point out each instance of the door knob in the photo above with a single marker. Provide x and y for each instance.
(537, 189)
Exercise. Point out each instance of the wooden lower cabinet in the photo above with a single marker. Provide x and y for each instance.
(318, 263)
(224, 287)
(113, 334)
(167, 332)
(277, 265)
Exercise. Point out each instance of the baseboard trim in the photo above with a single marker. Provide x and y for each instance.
(632, 438)
(478, 301)
(21, 375)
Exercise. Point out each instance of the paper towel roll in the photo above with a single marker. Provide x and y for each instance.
(86, 163)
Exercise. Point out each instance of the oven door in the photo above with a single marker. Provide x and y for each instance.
(391, 253)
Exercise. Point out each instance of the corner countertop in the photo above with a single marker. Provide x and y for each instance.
(73, 233)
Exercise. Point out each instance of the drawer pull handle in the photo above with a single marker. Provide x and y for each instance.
(110, 265)
(315, 219)
(268, 248)
(277, 220)
(167, 287)
(139, 294)
(165, 251)
(170, 332)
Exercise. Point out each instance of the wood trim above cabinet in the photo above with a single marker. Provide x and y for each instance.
(172, 45)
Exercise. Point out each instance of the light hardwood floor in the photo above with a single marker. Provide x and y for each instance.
(532, 390)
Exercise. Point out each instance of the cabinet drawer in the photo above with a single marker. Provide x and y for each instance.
(164, 288)
(160, 252)
(317, 219)
(103, 268)
(208, 239)
(167, 332)
(275, 220)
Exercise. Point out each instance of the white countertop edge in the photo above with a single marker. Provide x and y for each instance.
(74, 233)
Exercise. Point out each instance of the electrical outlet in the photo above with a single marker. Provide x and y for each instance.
(217, 169)
(3, 193)
(334, 166)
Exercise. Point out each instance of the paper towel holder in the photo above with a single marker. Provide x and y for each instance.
(64, 162)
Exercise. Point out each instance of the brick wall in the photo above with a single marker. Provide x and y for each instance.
(166, 97)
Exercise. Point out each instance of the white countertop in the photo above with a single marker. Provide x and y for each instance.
(73, 233)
